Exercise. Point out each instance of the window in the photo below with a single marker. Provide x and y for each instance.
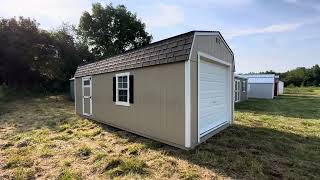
(237, 91)
(86, 82)
(243, 84)
(122, 89)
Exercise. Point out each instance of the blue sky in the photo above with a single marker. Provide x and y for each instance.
(264, 34)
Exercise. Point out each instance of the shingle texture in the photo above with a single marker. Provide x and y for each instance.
(170, 50)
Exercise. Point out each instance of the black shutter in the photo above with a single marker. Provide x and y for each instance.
(131, 87)
(114, 89)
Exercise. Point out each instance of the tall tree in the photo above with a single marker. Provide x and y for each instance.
(23, 48)
(70, 53)
(112, 30)
(33, 58)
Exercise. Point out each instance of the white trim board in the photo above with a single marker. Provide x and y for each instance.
(214, 59)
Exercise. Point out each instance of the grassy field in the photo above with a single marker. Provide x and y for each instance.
(41, 138)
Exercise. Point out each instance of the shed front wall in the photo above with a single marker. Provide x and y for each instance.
(206, 44)
(261, 90)
(158, 110)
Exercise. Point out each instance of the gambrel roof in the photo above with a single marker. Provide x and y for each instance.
(170, 50)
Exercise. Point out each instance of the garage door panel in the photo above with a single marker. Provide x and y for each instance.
(213, 94)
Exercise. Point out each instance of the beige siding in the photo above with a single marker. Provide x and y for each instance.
(206, 44)
(159, 106)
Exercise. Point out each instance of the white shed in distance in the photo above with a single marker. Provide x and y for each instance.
(263, 86)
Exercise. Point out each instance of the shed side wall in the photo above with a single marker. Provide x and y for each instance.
(260, 90)
(159, 106)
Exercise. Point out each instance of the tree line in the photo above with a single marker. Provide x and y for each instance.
(40, 60)
(300, 76)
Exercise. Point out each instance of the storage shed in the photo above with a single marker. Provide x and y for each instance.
(263, 86)
(280, 87)
(178, 90)
(240, 88)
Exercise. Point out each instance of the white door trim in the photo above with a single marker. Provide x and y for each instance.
(90, 96)
(230, 105)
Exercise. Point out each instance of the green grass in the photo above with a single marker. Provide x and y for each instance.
(270, 139)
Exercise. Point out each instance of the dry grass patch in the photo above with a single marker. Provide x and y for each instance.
(125, 166)
(42, 138)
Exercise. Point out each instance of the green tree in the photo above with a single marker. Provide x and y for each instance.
(25, 51)
(112, 30)
(315, 71)
(35, 58)
(70, 53)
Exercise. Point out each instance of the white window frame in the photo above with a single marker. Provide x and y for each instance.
(122, 103)
(90, 96)
(237, 90)
(243, 86)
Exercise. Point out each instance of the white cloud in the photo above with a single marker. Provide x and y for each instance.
(50, 13)
(275, 28)
(164, 15)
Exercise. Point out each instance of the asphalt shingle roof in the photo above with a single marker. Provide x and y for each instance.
(169, 50)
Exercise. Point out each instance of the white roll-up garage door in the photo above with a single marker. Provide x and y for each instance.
(214, 95)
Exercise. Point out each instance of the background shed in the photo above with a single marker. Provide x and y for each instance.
(261, 85)
(240, 88)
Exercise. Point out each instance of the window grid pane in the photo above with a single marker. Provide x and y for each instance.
(123, 88)
(86, 82)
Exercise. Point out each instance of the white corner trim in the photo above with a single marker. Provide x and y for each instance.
(198, 107)
(232, 96)
(121, 103)
(187, 94)
(187, 105)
